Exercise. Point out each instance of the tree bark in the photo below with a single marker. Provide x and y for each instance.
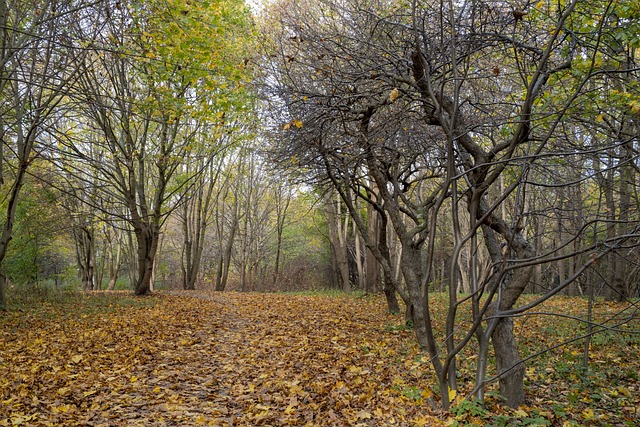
(114, 266)
(225, 259)
(282, 201)
(372, 268)
(509, 365)
(147, 240)
(85, 255)
(358, 257)
(337, 241)
(7, 228)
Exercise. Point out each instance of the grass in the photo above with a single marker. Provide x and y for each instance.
(47, 302)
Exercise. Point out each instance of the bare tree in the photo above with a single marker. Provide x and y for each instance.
(445, 108)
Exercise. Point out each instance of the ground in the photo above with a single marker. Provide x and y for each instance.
(229, 359)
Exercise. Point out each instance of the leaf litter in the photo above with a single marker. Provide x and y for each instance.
(231, 359)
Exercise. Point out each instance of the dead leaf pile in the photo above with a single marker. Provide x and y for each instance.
(230, 359)
(223, 359)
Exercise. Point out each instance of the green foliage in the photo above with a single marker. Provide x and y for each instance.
(193, 56)
(469, 406)
(470, 412)
(412, 392)
(38, 249)
(406, 326)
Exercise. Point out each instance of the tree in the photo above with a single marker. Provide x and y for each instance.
(338, 230)
(36, 70)
(282, 194)
(449, 107)
(154, 82)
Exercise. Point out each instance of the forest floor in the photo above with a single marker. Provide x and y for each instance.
(229, 359)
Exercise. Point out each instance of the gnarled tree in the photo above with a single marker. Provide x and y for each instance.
(439, 107)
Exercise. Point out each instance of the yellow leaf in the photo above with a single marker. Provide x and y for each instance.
(624, 391)
(286, 126)
(364, 415)
(62, 408)
(133, 379)
(587, 414)
(297, 123)
(452, 394)
(64, 391)
(394, 94)
(77, 358)
(17, 421)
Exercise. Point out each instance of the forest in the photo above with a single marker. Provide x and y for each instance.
(471, 167)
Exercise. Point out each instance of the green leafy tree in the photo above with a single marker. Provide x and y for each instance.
(160, 75)
(37, 66)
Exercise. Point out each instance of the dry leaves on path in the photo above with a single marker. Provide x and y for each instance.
(230, 359)
(210, 359)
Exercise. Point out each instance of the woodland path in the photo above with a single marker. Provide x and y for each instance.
(214, 359)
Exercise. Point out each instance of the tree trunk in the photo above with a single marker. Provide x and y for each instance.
(372, 268)
(188, 281)
(358, 256)
(392, 299)
(225, 261)
(133, 259)
(86, 258)
(114, 265)
(508, 362)
(282, 198)
(195, 223)
(337, 242)
(619, 285)
(389, 287)
(509, 365)
(7, 229)
(421, 315)
(147, 248)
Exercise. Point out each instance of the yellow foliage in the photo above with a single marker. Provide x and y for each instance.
(394, 94)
